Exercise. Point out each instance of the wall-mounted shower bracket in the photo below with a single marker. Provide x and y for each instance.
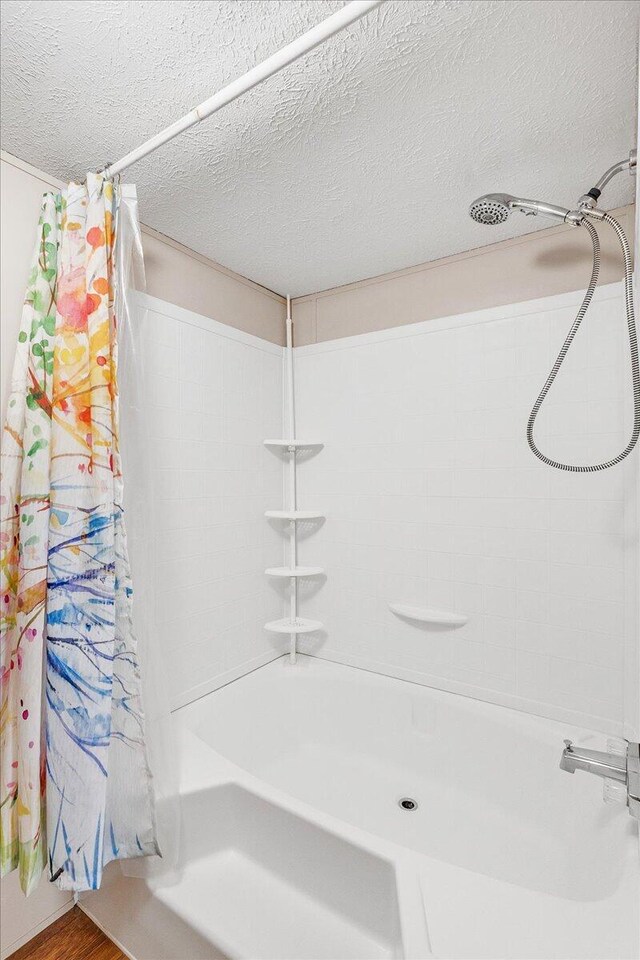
(589, 200)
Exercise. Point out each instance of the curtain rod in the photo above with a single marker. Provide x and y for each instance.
(293, 51)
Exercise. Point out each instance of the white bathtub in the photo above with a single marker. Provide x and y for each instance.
(295, 846)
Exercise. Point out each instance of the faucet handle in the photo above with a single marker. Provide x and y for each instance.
(568, 746)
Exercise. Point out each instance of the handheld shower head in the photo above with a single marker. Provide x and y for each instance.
(494, 208)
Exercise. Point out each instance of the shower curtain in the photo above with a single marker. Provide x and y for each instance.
(76, 787)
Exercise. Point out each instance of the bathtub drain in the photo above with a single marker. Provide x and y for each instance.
(408, 804)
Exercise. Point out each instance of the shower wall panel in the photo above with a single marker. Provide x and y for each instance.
(433, 499)
(217, 393)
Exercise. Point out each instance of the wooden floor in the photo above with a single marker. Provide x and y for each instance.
(72, 937)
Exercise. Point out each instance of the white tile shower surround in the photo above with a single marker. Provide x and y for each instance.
(433, 498)
(217, 394)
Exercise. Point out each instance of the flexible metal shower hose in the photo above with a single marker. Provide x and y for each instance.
(633, 346)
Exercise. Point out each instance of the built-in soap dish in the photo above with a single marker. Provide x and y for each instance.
(442, 618)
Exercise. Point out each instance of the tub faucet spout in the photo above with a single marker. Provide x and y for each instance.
(625, 768)
(593, 761)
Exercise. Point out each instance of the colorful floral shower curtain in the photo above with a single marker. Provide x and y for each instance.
(76, 785)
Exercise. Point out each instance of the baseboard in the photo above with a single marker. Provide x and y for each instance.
(106, 932)
(34, 931)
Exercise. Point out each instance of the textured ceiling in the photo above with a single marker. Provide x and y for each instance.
(361, 158)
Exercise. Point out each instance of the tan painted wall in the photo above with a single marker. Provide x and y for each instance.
(174, 273)
(556, 260)
(184, 277)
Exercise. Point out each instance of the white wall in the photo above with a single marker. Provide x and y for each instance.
(217, 395)
(433, 498)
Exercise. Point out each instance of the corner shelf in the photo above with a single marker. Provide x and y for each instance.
(299, 625)
(293, 444)
(293, 515)
(291, 451)
(294, 571)
(427, 615)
